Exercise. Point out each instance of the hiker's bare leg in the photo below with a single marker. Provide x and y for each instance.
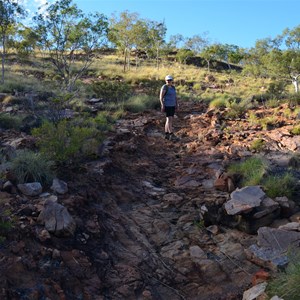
(169, 124)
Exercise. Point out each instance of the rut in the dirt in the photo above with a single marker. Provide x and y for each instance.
(150, 217)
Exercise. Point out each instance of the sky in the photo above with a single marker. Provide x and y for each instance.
(236, 22)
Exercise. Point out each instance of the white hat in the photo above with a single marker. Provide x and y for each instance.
(168, 77)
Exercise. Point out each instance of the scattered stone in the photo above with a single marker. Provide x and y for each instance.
(59, 186)
(57, 219)
(30, 189)
(255, 291)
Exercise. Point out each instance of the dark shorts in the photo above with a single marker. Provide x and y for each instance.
(170, 111)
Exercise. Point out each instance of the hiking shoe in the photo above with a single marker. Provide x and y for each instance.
(167, 136)
(173, 137)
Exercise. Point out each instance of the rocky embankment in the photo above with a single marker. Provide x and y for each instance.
(151, 218)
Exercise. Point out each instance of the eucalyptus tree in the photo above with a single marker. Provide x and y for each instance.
(123, 34)
(10, 12)
(280, 57)
(25, 40)
(141, 41)
(176, 41)
(197, 43)
(291, 56)
(229, 53)
(156, 33)
(209, 53)
(71, 38)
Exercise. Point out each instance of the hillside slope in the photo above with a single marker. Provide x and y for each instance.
(138, 215)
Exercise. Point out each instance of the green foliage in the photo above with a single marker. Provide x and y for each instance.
(104, 121)
(150, 87)
(64, 142)
(268, 122)
(219, 102)
(272, 103)
(8, 121)
(252, 118)
(286, 282)
(5, 222)
(112, 91)
(77, 33)
(257, 145)
(183, 54)
(199, 224)
(236, 110)
(140, 103)
(296, 130)
(280, 185)
(29, 166)
(255, 171)
(294, 99)
(276, 89)
(252, 170)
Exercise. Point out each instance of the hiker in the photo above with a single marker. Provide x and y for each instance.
(169, 105)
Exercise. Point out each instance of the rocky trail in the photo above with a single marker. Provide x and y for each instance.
(138, 209)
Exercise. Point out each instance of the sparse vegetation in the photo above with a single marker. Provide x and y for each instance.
(250, 171)
(29, 166)
(5, 222)
(257, 145)
(64, 142)
(140, 103)
(280, 185)
(286, 282)
(8, 121)
(296, 130)
(256, 171)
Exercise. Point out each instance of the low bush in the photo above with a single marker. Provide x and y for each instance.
(112, 91)
(65, 142)
(250, 171)
(8, 121)
(141, 103)
(28, 166)
(296, 130)
(5, 223)
(280, 185)
(257, 145)
(286, 283)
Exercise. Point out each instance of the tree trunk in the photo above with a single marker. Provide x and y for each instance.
(3, 59)
(295, 83)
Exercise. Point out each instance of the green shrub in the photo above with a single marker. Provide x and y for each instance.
(268, 122)
(296, 130)
(251, 171)
(140, 103)
(257, 145)
(272, 103)
(219, 102)
(63, 142)
(276, 90)
(8, 121)
(280, 185)
(236, 110)
(150, 87)
(29, 166)
(112, 91)
(253, 119)
(286, 282)
(5, 222)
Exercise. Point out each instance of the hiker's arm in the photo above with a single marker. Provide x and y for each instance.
(161, 98)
